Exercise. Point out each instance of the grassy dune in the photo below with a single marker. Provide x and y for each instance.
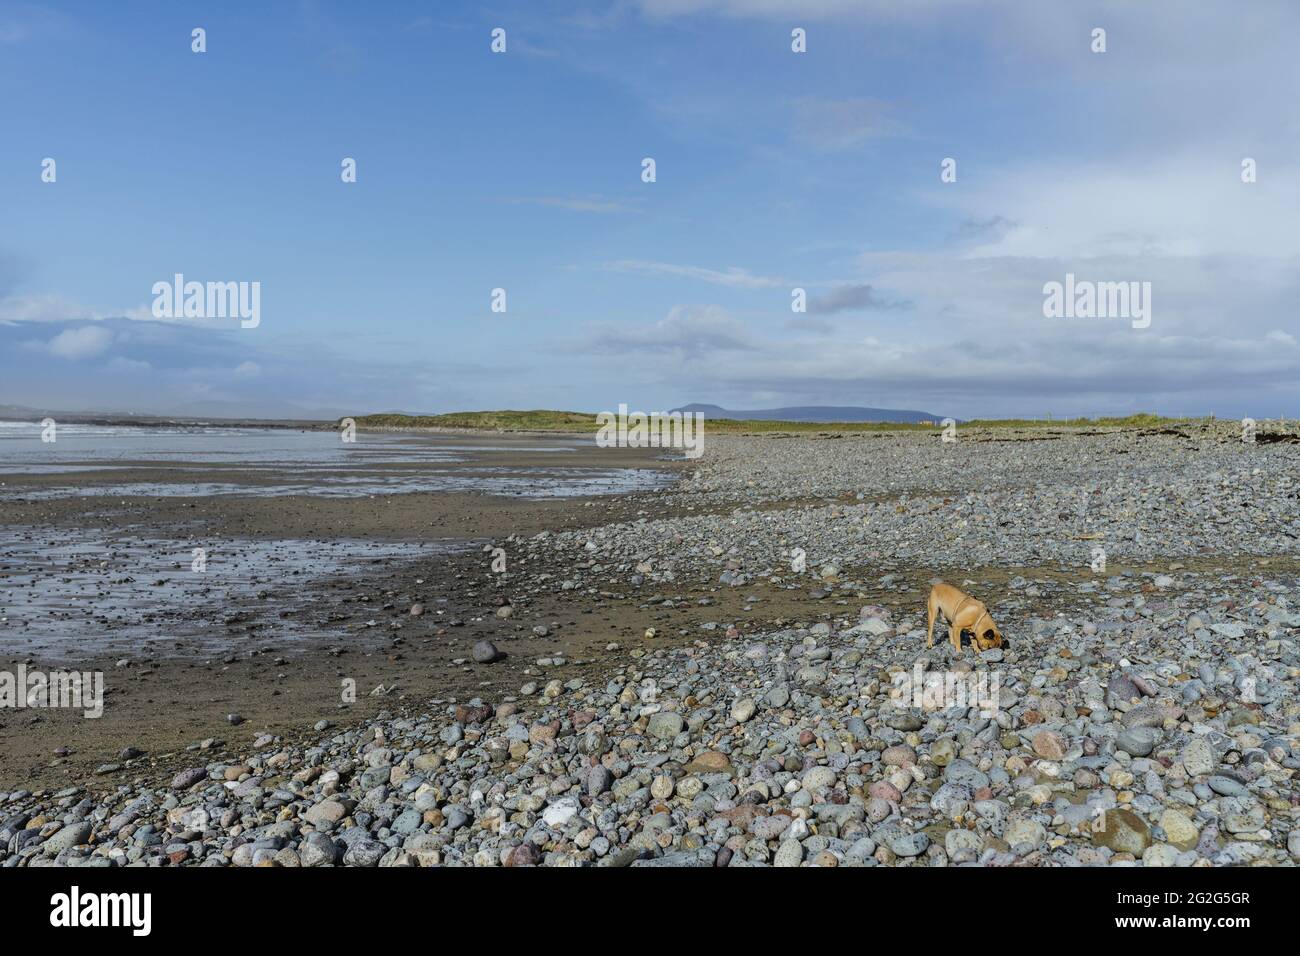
(545, 420)
(539, 420)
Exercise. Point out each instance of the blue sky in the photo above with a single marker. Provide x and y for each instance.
(775, 170)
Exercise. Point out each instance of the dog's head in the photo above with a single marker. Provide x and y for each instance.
(988, 636)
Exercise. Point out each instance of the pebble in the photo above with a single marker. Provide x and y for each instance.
(1179, 830)
(789, 853)
(1198, 757)
(742, 710)
(485, 652)
(1123, 831)
(1138, 741)
(665, 725)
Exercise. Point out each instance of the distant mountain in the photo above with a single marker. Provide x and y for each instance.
(813, 413)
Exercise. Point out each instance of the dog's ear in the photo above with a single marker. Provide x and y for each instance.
(993, 637)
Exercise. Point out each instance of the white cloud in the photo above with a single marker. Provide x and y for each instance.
(733, 277)
(841, 124)
(978, 344)
(44, 308)
(59, 308)
(83, 342)
(1193, 204)
(686, 331)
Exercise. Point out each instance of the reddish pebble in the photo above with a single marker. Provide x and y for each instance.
(884, 790)
(526, 854)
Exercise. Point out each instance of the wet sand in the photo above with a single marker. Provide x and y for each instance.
(300, 593)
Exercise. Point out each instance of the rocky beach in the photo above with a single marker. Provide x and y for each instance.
(720, 668)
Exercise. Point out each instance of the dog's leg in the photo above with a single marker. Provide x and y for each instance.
(954, 632)
(929, 641)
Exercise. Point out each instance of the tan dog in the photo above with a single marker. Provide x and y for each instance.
(963, 613)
